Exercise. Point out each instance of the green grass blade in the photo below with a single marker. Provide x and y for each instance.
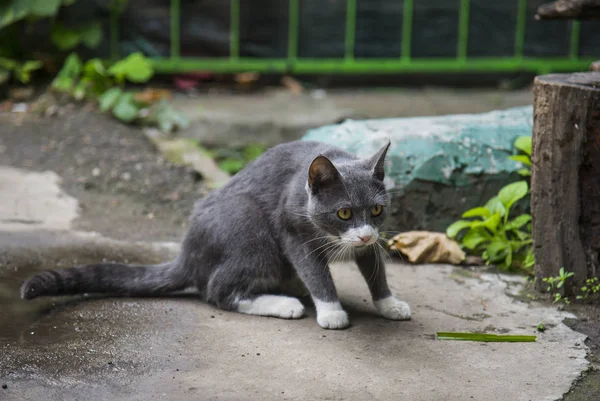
(485, 337)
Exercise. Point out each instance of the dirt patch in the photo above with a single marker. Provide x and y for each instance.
(588, 323)
(125, 188)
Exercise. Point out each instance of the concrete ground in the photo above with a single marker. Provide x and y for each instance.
(65, 201)
(276, 115)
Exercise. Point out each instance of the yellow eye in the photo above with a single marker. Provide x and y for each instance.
(376, 210)
(344, 214)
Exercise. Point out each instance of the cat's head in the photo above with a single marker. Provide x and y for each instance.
(348, 200)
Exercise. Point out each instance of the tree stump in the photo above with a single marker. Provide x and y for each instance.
(565, 182)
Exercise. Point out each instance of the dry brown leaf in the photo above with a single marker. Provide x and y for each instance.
(150, 95)
(247, 78)
(292, 85)
(427, 247)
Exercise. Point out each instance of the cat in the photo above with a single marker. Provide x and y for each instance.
(287, 215)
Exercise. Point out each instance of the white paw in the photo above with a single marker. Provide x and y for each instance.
(290, 308)
(393, 308)
(333, 319)
(272, 305)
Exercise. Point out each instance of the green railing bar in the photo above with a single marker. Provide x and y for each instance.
(574, 46)
(384, 66)
(293, 26)
(175, 28)
(350, 29)
(520, 28)
(115, 53)
(234, 29)
(463, 30)
(407, 17)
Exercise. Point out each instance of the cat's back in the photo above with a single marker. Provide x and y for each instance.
(279, 165)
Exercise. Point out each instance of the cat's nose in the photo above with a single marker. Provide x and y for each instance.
(366, 238)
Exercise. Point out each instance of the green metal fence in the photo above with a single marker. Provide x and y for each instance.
(349, 64)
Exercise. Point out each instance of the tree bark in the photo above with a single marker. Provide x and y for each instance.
(569, 9)
(565, 182)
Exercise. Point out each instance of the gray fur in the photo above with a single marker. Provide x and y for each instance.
(274, 221)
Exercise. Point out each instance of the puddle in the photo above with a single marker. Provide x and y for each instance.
(49, 317)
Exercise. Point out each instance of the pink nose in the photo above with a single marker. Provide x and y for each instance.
(365, 238)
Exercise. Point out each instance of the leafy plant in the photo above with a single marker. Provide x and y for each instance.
(20, 70)
(96, 79)
(556, 283)
(493, 234)
(68, 38)
(590, 289)
(523, 143)
(234, 160)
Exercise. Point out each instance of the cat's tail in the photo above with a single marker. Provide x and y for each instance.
(108, 278)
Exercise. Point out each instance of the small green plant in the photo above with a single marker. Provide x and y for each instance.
(523, 144)
(541, 328)
(493, 234)
(590, 289)
(21, 71)
(556, 283)
(234, 160)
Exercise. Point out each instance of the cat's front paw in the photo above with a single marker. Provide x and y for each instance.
(333, 319)
(393, 308)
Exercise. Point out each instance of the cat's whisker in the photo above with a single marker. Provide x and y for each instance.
(326, 245)
(324, 237)
(375, 270)
(385, 252)
(334, 245)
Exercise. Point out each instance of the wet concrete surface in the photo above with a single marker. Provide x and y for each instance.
(178, 348)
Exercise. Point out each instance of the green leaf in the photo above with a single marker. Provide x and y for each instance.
(522, 159)
(125, 109)
(94, 67)
(64, 38)
(44, 8)
(512, 193)
(8, 64)
(4, 75)
(485, 337)
(68, 74)
(109, 99)
(456, 227)
(508, 259)
(474, 238)
(81, 88)
(477, 212)
(68, 38)
(525, 172)
(497, 250)
(523, 143)
(91, 36)
(493, 222)
(135, 68)
(494, 205)
(253, 151)
(23, 71)
(231, 165)
(518, 222)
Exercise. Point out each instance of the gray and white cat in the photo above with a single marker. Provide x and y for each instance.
(287, 215)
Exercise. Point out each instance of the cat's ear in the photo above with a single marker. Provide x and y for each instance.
(321, 172)
(377, 162)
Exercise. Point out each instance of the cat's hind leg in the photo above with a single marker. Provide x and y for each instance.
(271, 305)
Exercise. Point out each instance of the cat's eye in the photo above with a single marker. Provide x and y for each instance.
(376, 210)
(344, 213)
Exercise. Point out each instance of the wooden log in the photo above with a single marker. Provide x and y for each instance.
(565, 182)
(569, 9)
